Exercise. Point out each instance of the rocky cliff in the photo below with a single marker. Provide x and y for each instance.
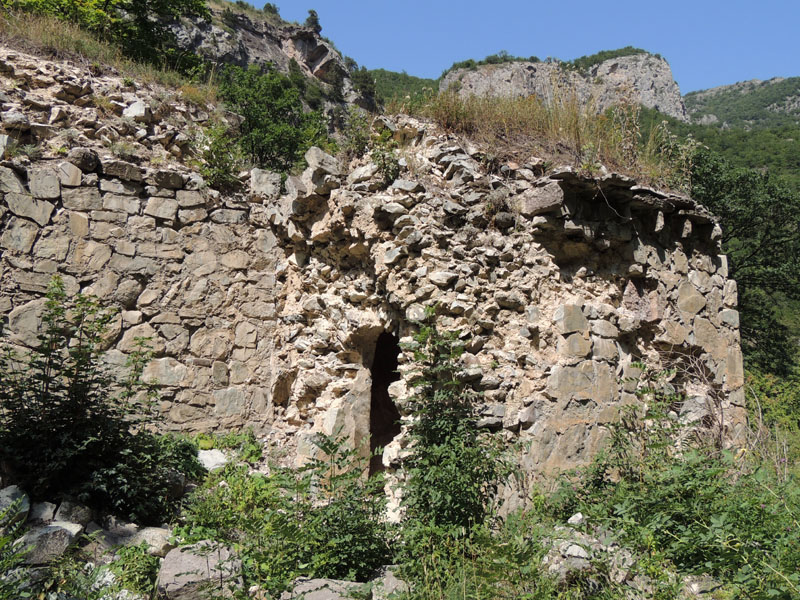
(242, 39)
(643, 78)
(282, 307)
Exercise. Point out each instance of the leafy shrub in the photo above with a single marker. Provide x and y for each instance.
(384, 157)
(136, 569)
(13, 573)
(221, 157)
(453, 471)
(275, 131)
(245, 444)
(585, 63)
(356, 134)
(139, 27)
(704, 510)
(323, 520)
(493, 59)
(312, 21)
(67, 428)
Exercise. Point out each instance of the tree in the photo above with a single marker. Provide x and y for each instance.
(312, 21)
(67, 428)
(761, 236)
(275, 130)
(453, 470)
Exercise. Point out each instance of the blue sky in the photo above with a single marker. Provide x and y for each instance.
(707, 42)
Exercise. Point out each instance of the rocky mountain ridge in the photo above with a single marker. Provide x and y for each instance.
(747, 104)
(643, 78)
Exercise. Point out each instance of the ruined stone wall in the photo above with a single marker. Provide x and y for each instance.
(265, 308)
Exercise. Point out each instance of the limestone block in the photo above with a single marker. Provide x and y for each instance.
(10, 182)
(73, 513)
(588, 381)
(161, 208)
(229, 402)
(569, 318)
(708, 338)
(604, 329)
(229, 217)
(45, 184)
(85, 159)
(193, 215)
(539, 200)
(511, 300)
(14, 496)
(49, 542)
(115, 186)
(734, 374)
(19, 235)
(91, 255)
(672, 333)
(168, 179)
(189, 571)
(604, 349)
(265, 185)
(139, 111)
(690, 300)
(730, 317)
(24, 205)
(82, 199)
(211, 343)
(165, 372)
(158, 540)
(122, 170)
(443, 278)
(212, 459)
(122, 204)
(576, 345)
(145, 330)
(190, 198)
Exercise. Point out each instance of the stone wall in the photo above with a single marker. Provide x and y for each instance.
(265, 307)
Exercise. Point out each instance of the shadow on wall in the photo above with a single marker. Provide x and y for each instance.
(384, 421)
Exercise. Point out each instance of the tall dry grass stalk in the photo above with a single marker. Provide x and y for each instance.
(47, 36)
(560, 129)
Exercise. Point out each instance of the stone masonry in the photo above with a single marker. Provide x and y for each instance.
(265, 307)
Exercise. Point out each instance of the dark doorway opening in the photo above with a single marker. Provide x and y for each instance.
(384, 418)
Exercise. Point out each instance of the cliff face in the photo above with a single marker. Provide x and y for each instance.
(243, 41)
(269, 308)
(643, 78)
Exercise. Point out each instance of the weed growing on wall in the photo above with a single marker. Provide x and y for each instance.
(68, 428)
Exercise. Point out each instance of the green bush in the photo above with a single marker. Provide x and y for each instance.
(136, 569)
(356, 134)
(139, 27)
(383, 156)
(221, 157)
(453, 470)
(704, 510)
(13, 572)
(324, 520)
(67, 428)
(275, 131)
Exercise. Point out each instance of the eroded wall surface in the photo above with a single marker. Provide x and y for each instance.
(264, 307)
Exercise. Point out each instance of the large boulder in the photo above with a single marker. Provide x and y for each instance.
(192, 572)
(49, 542)
(322, 589)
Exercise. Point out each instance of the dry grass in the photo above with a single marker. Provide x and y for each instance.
(561, 130)
(52, 38)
